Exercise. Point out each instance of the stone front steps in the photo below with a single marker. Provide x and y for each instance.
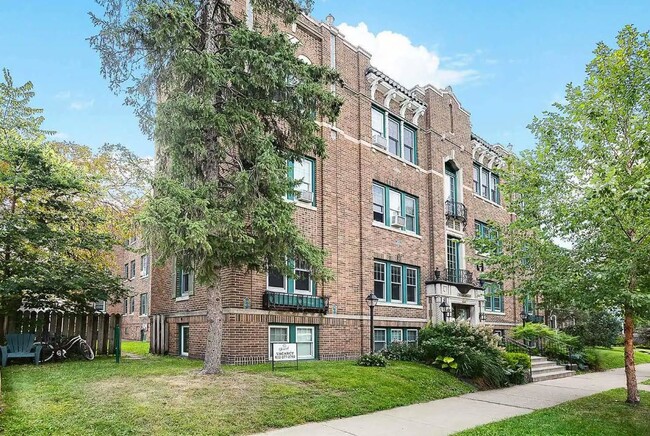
(544, 369)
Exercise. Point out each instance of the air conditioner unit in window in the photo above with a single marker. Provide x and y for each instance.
(397, 221)
(379, 141)
(306, 196)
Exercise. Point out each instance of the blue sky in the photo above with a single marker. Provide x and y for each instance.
(506, 60)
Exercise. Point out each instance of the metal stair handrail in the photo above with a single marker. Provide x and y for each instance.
(514, 346)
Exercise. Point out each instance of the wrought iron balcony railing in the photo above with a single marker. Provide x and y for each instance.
(455, 210)
(297, 302)
(539, 319)
(462, 279)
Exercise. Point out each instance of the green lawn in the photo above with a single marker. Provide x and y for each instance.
(602, 414)
(613, 357)
(135, 347)
(166, 395)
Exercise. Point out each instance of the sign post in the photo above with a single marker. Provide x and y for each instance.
(284, 353)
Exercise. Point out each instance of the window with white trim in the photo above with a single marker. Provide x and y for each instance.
(305, 339)
(303, 282)
(184, 282)
(411, 336)
(100, 306)
(133, 269)
(303, 171)
(184, 339)
(277, 335)
(396, 282)
(144, 265)
(399, 204)
(400, 137)
(380, 280)
(396, 335)
(379, 342)
(144, 304)
(486, 184)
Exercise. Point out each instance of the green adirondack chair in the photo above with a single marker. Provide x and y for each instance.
(20, 345)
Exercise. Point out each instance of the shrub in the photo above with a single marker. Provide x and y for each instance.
(402, 351)
(518, 365)
(371, 360)
(593, 359)
(532, 331)
(474, 350)
(557, 345)
(597, 329)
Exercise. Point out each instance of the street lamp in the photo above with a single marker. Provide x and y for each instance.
(372, 300)
(524, 316)
(446, 310)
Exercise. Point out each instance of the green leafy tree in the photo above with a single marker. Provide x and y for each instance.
(228, 106)
(582, 234)
(54, 253)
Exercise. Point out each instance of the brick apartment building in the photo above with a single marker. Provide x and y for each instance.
(405, 181)
(134, 266)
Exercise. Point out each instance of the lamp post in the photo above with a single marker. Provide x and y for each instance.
(524, 315)
(372, 300)
(444, 307)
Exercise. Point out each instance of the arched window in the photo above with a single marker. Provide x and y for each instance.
(305, 59)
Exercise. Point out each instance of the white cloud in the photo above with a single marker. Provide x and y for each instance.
(63, 95)
(79, 105)
(395, 55)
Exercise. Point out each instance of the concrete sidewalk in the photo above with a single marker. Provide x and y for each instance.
(450, 415)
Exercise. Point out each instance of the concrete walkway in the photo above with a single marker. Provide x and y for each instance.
(450, 415)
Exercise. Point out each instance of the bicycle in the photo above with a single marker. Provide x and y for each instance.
(60, 351)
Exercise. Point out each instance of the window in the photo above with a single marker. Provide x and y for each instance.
(486, 184)
(126, 306)
(379, 340)
(378, 119)
(396, 289)
(409, 144)
(378, 202)
(493, 297)
(100, 306)
(477, 179)
(302, 171)
(529, 306)
(410, 213)
(144, 304)
(275, 281)
(395, 283)
(483, 230)
(411, 336)
(398, 203)
(133, 269)
(144, 265)
(305, 342)
(132, 240)
(184, 282)
(302, 283)
(453, 258)
(131, 305)
(184, 340)
(304, 336)
(380, 280)
(126, 271)
(396, 335)
(400, 136)
(411, 285)
(393, 137)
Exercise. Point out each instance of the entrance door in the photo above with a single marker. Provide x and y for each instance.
(462, 312)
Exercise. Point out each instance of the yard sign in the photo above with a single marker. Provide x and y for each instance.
(284, 353)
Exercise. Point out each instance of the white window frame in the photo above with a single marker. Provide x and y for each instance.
(414, 216)
(383, 122)
(416, 336)
(375, 341)
(393, 211)
(392, 335)
(303, 269)
(182, 338)
(275, 289)
(304, 163)
(415, 285)
(383, 264)
(132, 306)
(312, 343)
(144, 265)
(401, 283)
(100, 306)
(283, 327)
(383, 203)
(190, 283)
(146, 305)
(413, 146)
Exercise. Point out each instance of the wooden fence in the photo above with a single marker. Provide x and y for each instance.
(97, 329)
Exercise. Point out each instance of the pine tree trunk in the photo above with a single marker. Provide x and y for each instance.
(630, 369)
(212, 360)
